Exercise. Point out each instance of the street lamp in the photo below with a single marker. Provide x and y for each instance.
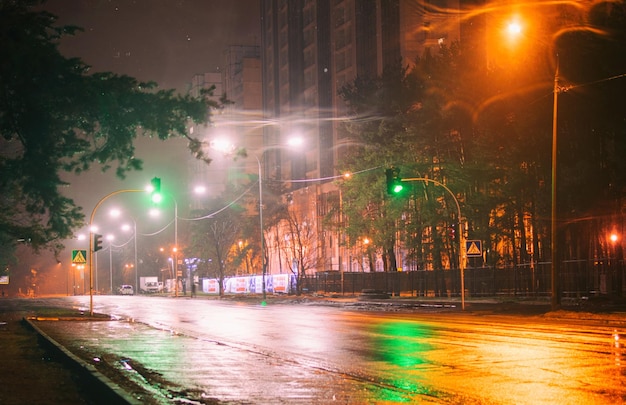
(513, 30)
(292, 142)
(91, 240)
(228, 148)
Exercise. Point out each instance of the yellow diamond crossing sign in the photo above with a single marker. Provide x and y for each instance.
(79, 256)
(473, 248)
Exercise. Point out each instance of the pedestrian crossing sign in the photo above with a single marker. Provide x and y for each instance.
(473, 248)
(79, 256)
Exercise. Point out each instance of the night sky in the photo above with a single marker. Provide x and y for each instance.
(167, 41)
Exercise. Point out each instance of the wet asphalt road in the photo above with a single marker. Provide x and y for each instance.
(187, 350)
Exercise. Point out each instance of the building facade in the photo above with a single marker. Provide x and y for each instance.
(309, 50)
(236, 126)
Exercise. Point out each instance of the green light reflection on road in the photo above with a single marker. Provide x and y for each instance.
(401, 343)
(401, 346)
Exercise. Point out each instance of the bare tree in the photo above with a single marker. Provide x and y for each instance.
(298, 244)
(213, 238)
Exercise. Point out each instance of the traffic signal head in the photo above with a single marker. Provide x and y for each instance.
(97, 242)
(156, 190)
(455, 233)
(394, 182)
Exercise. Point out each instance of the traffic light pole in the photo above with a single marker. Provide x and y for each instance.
(460, 230)
(91, 241)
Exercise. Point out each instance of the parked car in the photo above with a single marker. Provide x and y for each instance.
(126, 289)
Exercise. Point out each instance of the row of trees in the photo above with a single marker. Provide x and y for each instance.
(485, 130)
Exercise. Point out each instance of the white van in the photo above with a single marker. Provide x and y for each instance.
(126, 289)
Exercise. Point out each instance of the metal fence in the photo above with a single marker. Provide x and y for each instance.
(578, 278)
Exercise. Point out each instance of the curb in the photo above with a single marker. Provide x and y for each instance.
(104, 389)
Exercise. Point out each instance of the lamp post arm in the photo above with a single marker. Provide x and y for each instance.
(460, 230)
(458, 207)
(93, 214)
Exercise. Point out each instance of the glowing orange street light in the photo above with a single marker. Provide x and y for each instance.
(514, 28)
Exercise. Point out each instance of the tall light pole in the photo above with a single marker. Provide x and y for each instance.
(110, 239)
(293, 143)
(175, 245)
(125, 227)
(459, 229)
(554, 273)
(227, 148)
(514, 29)
(263, 263)
(175, 248)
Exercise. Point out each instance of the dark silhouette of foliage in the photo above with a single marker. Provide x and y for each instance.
(55, 117)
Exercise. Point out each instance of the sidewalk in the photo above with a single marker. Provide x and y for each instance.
(29, 373)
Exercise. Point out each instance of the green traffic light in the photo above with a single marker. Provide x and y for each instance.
(394, 181)
(156, 196)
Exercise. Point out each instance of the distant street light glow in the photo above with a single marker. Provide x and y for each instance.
(514, 28)
(295, 141)
(222, 145)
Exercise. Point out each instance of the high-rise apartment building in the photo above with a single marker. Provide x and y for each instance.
(237, 124)
(309, 50)
(200, 175)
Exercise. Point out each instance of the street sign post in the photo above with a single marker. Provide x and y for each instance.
(79, 256)
(473, 248)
